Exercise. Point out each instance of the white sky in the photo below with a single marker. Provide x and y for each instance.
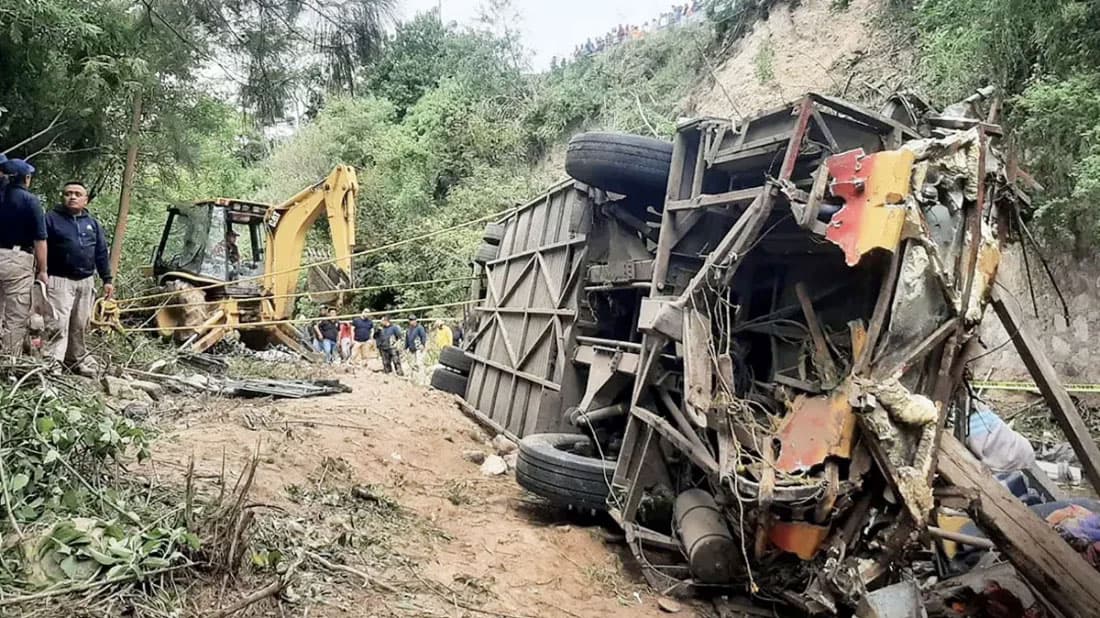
(550, 27)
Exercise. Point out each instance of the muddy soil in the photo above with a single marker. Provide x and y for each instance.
(458, 544)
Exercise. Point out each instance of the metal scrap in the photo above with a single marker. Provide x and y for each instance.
(282, 389)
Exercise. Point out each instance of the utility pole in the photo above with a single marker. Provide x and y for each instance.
(127, 184)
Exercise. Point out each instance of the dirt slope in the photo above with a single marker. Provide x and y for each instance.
(458, 532)
(803, 46)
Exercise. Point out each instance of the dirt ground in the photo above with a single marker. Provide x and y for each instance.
(447, 540)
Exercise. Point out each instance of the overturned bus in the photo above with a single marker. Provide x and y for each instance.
(748, 345)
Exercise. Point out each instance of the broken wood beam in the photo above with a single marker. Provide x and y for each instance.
(822, 358)
(1057, 397)
(1069, 582)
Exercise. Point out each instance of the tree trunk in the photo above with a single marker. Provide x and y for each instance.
(127, 184)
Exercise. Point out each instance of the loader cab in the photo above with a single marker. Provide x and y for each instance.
(213, 241)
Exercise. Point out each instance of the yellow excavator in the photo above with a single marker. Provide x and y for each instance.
(234, 265)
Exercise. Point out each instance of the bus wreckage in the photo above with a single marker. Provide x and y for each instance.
(749, 347)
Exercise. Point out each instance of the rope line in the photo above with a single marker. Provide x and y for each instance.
(247, 325)
(368, 288)
(362, 253)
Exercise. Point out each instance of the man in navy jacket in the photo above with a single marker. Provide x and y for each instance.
(77, 250)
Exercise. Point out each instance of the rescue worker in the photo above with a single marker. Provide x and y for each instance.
(77, 250)
(22, 253)
(416, 342)
(442, 336)
(363, 332)
(386, 338)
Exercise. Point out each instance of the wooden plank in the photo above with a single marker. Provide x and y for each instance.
(1033, 547)
(822, 358)
(882, 306)
(1055, 394)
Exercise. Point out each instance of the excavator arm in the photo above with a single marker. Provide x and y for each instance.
(289, 224)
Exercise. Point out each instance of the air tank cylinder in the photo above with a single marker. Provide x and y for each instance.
(707, 541)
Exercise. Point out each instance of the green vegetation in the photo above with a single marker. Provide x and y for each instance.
(446, 127)
(1045, 59)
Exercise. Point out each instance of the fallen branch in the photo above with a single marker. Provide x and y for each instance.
(641, 112)
(270, 590)
(309, 422)
(453, 598)
(8, 506)
(86, 586)
(52, 124)
(367, 579)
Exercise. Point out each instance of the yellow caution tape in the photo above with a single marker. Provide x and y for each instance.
(1010, 385)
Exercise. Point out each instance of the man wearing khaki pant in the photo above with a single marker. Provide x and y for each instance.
(77, 250)
(22, 253)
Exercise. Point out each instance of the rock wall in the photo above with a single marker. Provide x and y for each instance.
(1073, 345)
(807, 46)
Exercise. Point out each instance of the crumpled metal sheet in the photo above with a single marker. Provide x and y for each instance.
(874, 189)
(799, 538)
(815, 428)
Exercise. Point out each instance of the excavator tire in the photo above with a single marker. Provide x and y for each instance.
(455, 359)
(631, 165)
(494, 233)
(563, 468)
(193, 312)
(486, 253)
(448, 381)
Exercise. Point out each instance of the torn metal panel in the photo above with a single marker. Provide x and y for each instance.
(815, 428)
(798, 538)
(874, 188)
(901, 600)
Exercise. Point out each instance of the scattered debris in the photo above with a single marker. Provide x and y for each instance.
(669, 605)
(474, 457)
(503, 445)
(494, 465)
(290, 389)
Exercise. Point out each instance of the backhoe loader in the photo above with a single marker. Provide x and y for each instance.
(234, 265)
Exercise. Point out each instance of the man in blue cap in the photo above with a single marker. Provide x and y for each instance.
(22, 253)
(77, 251)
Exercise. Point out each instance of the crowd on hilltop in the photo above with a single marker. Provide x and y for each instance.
(677, 15)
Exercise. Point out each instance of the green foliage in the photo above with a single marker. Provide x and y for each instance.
(1045, 59)
(764, 62)
(452, 130)
(635, 87)
(49, 441)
